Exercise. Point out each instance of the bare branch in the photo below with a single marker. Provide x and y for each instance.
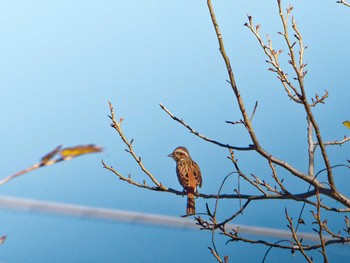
(318, 100)
(299, 70)
(274, 62)
(117, 126)
(344, 3)
(319, 222)
(215, 254)
(275, 177)
(254, 110)
(235, 122)
(346, 139)
(277, 190)
(240, 211)
(234, 236)
(214, 250)
(246, 119)
(128, 179)
(311, 149)
(241, 174)
(249, 148)
(299, 246)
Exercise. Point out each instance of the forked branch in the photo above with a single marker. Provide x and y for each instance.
(117, 126)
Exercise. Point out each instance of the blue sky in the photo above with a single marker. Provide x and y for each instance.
(62, 61)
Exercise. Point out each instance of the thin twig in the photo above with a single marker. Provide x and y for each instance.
(341, 142)
(246, 119)
(117, 126)
(274, 62)
(299, 70)
(318, 100)
(233, 235)
(254, 110)
(275, 177)
(214, 250)
(132, 182)
(249, 148)
(319, 222)
(240, 211)
(241, 174)
(299, 246)
(301, 197)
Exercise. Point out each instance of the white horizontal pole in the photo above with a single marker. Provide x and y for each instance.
(30, 205)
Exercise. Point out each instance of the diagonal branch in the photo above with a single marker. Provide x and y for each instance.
(300, 247)
(344, 3)
(298, 67)
(249, 148)
(300, 77)
(117, 126)
(241, 174)
(274, 61)
(247, 121)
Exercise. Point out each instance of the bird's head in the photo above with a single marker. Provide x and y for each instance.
(180, 154)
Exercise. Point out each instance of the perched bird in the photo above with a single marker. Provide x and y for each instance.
(189, 175)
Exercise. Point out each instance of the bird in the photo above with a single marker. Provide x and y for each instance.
(189, 175)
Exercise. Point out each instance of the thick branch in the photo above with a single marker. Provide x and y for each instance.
(344, 3)
(247, 121)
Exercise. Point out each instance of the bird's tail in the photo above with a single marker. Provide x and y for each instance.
(191, 205)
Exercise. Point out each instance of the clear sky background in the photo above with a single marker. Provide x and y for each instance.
(62, 61)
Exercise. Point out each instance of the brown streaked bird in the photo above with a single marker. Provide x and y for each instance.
(189, 175)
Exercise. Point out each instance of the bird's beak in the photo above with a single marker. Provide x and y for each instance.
(170, 155)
